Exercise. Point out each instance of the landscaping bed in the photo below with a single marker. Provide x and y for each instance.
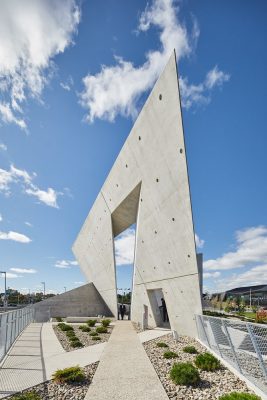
(84, 338)
(59, 391)
(210, 384)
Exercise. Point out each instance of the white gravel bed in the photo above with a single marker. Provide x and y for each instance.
(84, 337)
(213, 384)
(55, 391)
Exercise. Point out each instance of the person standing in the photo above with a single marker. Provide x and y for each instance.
(122, 310)
(164, 311)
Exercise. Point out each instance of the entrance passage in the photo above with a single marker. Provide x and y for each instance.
(159, 308)
(124, 258)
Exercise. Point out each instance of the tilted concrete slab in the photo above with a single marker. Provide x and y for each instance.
(148, 184)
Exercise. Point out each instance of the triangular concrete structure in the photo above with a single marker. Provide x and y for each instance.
(151, 172)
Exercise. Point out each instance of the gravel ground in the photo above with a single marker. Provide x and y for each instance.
(213, 384)
(84, 337)
(54, 391)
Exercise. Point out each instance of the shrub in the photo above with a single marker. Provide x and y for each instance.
(69, 375)
(74, 339)
(91, 322)
(184, 374)
(58, 319)
(93, 334)
(70, 333)
(96, 338)
(207, 362)
(76, 343)
(190, 349)
(162, 344)
(27, 396)
(101, 329)
(170, 354)
(64, 327)
(105, 322)
(84, 328)
(239, 396)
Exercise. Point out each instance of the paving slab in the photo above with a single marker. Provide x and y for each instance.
(151, 334)
(124, 371)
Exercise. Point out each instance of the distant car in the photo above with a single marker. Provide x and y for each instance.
(12, 305)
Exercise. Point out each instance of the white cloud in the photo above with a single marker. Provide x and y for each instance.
(65, 264)
(251, 248)
(28, 224)
(199, 242)
(124, 247)
(68, 84)
(24, 270)
(32, 33)
(15, 236)
(79, 283)
(48, 197)
(211, 274)
(117, 89)
(15, 175)
(3, 147)
(10, 275)
(254, 276)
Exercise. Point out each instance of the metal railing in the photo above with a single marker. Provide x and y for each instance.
(242, 344)
(12, 324)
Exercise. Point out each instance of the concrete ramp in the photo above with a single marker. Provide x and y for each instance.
(84, 301)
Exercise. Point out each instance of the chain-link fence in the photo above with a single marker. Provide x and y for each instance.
(241, 344)
(12, 324)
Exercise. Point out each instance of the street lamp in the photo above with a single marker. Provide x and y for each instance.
(5, 301)
(44, 288)
(65, 288)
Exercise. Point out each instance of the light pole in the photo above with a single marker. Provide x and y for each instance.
(44, 288)
(65, 288)
(5, 301)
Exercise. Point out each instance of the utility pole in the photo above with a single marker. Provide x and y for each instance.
(250, 298)
(44, 289)
(5, 301)
(65, 288)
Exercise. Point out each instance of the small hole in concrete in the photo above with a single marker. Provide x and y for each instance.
(141, 199)
(139, 137)
(117, 185)
(142, 241)
(154, 267)
(160, 96)
(169, 262)
(156, 232)
(181, 151)
(188, 255)
(109, 199)
(157, 180)
(173, 219)
(126, 165)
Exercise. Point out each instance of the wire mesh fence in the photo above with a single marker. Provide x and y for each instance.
(12, 324)
(241, 344)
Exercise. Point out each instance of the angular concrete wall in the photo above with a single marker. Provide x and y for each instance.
(148, 184)
(84, 301)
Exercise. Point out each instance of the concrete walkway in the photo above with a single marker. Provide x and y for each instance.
(36, 355)
(125, 372)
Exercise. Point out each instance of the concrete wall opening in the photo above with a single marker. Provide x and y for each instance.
(159, 308)
(124, 245)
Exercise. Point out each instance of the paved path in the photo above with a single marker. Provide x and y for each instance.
(125, 372)
(36, 355)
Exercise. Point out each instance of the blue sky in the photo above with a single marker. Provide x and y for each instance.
(73, 76)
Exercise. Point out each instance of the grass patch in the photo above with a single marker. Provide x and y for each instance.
(84, 328)
(96, 338)
(170, 354)
(91, 322)
(239, 396)
(105, 322)
(69, 375)
(190, 350)
(207, 362)
(162, 344)
(27, 396)
(76, 343)
(101, 329)
(184, 374)
(58, 319)
(93, 334)
(64, 327)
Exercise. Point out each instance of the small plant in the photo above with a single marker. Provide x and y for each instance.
(207, 362)
(162, 344)
(239, 396)
(64, 327)
(184, 374)
(84, 328)
(69, 375)
(190, 349)
(101, 329)
(70, 334)
(74, 339)
(106, 322)
(27, 396)
(76, 343)
(91, 322)
(58, 319)
(96, 338)
(170, 354)
(93, 334)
